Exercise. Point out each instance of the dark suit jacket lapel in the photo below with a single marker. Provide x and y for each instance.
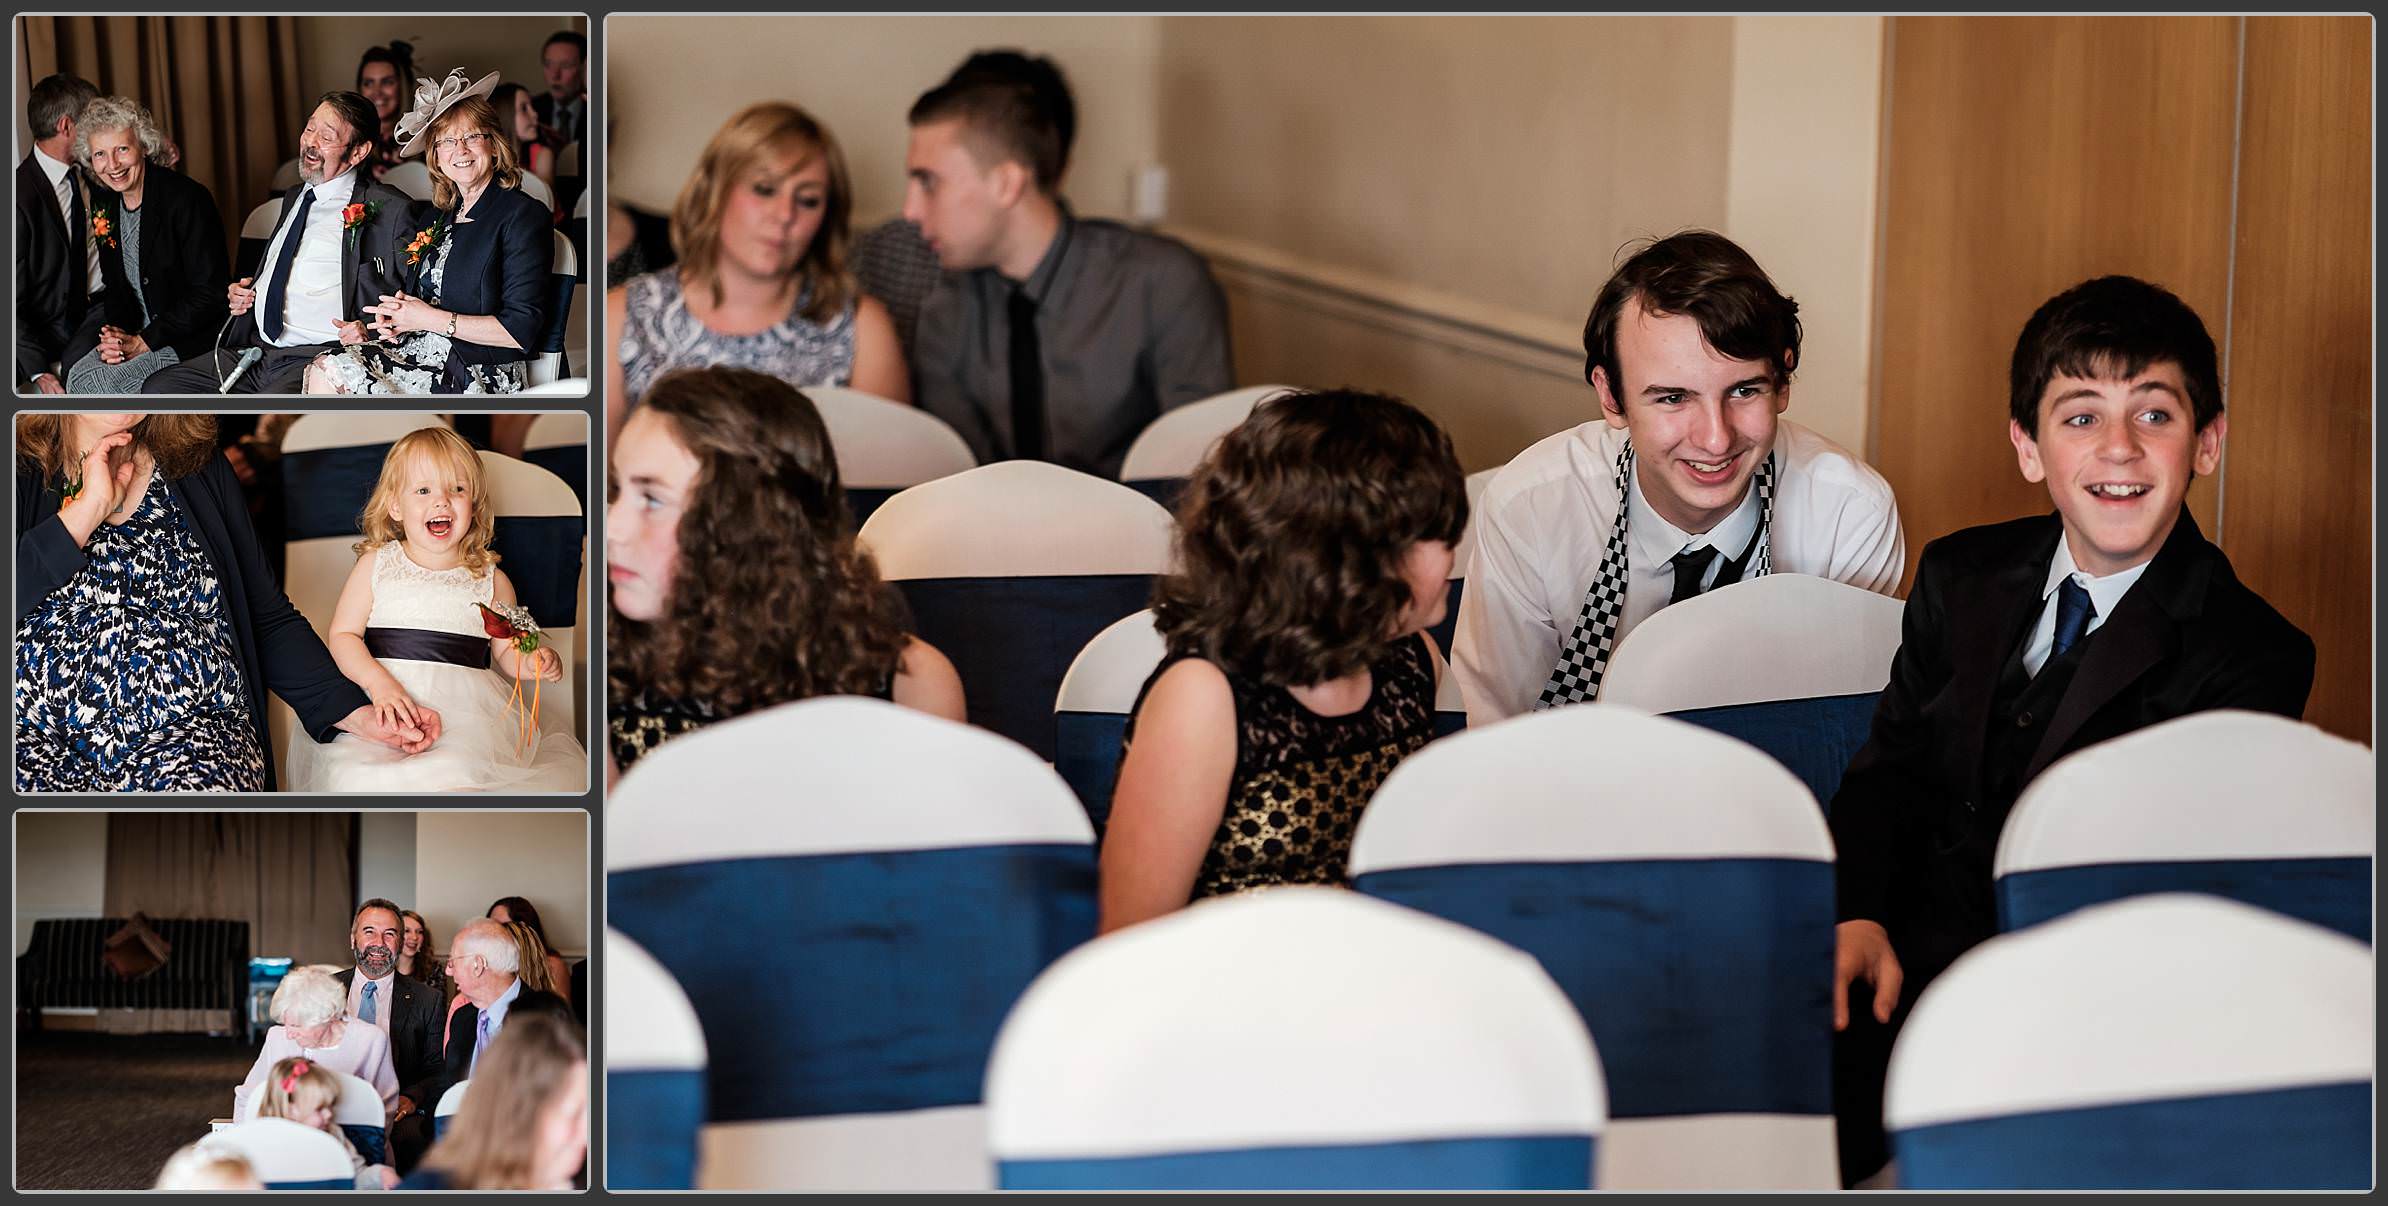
(1992, 615)
(2144, 630)
(352, 246)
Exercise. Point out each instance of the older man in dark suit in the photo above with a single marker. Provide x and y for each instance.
(2027, 640)
(57, 263)
(335, 251)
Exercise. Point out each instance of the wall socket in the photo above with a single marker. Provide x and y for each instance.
(1148, 191)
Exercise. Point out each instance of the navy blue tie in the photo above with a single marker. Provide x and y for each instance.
(269, 320)
(2073, 612)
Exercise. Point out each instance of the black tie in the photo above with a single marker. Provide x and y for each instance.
(1028, 380)
(2073, 612)
(1691, 565)
(269, 319)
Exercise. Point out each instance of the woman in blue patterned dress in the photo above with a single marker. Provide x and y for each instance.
(148, 629)
(762, 281)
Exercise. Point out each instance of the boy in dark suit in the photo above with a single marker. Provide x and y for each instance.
(2027, 640)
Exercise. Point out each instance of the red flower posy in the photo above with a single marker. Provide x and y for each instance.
(354, 214)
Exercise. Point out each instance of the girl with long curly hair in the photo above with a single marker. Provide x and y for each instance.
(735, 579)
(410, 630)
(1313, 547)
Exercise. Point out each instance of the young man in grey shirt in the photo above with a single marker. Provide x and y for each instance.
(1049, 337)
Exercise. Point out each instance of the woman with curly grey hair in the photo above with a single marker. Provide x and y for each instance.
(161, 254)
(311, 1011)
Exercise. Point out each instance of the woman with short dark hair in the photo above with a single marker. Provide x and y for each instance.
(1314, 545)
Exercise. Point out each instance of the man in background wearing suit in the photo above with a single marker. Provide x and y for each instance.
(407, 1010)
(57, 263)
(2027, 640)
(484, 962)
(335, 251)
(564, 107)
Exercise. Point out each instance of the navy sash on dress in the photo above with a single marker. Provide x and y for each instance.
(424, 645)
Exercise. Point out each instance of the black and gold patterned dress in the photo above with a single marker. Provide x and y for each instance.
(1302, 779)
(638, 725)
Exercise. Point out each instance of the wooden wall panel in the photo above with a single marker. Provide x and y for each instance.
(2024, 155)
(2296, 478)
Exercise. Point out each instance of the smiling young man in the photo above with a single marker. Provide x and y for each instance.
(2027, 640)
(1689, 481)
(1048, 337)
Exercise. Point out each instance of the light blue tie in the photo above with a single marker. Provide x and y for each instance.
(365, 1011)
(480, 1040)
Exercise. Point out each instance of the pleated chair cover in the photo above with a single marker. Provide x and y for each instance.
(2162, 1042)
(541, 537)
(1443, 631)
(286, 1154)
(2246, 805)
(359, 1115)
(449, 1102)
(1297, 1038)
(1790, 663)
(883, 447)
(654, 1073)
(1678, 885)
(908, 875)
(1010, 569)
(1163, 455)
(1090, 716)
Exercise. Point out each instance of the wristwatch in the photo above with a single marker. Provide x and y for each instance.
(451, 325)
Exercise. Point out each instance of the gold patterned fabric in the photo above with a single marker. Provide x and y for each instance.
(1302, 780)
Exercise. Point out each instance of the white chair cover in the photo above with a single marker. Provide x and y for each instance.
(654, 1073)
(1173, 444)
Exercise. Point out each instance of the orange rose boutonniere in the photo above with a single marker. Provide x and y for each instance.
(103, 231)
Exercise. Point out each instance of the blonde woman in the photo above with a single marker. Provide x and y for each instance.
(762, 280)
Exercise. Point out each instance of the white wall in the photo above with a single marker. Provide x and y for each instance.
(62, 867)
(386, 856)
(465, 859)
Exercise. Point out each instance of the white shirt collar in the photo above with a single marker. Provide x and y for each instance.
(338, 189)
(55, 170)
(2105, 593)
(1655, 541)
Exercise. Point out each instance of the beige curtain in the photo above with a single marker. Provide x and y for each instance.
(290, 875)
(225, 89)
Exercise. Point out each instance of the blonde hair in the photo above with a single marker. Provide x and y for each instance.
(531, 957)
(199, 1165)
(312, 993)
(505, 170)
(492, 1142)
(760, 131)
(311, 1085)
(379, 529)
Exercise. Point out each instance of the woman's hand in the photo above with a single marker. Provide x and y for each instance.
(117, 345)
(402, 312)
(104, 488)
(422, 736)
(351, 333)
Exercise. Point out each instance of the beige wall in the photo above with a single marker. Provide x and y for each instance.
(62, 867)
(672, 81)
(1433, 215)
(466, 858)
(329, 46)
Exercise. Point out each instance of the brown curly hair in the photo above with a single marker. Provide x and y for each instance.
(772, 600)
(1293, 531)
(180, 444)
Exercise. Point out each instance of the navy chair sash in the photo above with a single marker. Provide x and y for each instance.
(541, 557)
(2330, 892)
(1012, 639)
(1518, 1162)
(2312, 1137)
(567, 461)
(862, 501)
(897, 966)
(1708, 982)
(1086, 750)
(327, 1183)
(324, 489)
(371, 1142)
(653, 1116)
(1813, 738)
(1163, 490)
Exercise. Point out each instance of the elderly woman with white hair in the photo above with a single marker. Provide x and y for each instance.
(312, 1009)
(161, 255)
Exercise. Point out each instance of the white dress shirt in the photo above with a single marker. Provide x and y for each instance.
(384, 996)
(57, 172)
(313, 302)
(2105, 594)
(1543, 522)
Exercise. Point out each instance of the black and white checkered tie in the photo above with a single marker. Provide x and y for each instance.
(1584, 655)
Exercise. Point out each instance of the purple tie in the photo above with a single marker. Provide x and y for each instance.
(480, 1040)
